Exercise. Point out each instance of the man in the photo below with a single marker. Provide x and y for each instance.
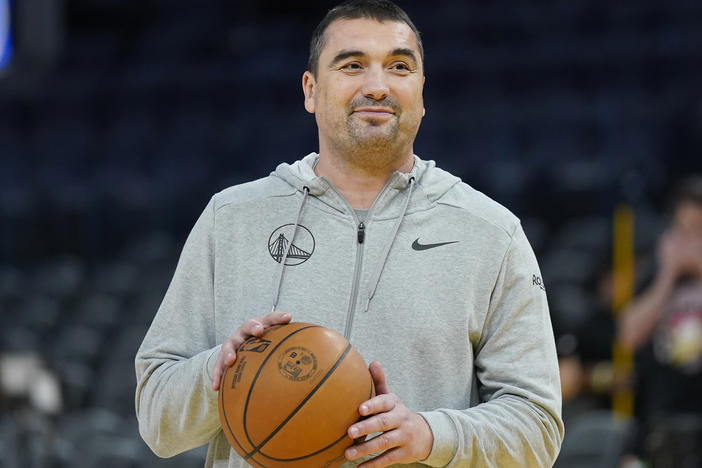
(418, 270)
(664, 325)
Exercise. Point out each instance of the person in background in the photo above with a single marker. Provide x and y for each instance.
(663, 325)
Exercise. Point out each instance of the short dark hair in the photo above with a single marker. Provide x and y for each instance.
(688, 191)
(379, 10)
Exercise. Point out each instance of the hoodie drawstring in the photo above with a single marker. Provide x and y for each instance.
(306, 192)
(375, 279)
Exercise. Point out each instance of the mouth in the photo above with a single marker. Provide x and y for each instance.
(376, 112)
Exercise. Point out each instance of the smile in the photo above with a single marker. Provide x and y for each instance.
(374, 112)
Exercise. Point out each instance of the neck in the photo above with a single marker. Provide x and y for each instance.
(359, 185)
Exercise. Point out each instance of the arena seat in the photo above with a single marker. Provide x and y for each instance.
(593, 440)
(558, 110)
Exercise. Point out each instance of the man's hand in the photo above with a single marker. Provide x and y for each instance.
(406, 436)
(253, 327)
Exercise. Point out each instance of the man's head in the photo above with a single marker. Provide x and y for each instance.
(365, 84)
(687, 205)
(378, 10)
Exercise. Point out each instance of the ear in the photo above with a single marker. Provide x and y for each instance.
(309, 87)
(424, 80)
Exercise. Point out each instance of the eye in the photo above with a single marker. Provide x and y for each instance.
(400, 67)
(352, 67)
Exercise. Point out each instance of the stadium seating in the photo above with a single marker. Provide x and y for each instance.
(559, 110)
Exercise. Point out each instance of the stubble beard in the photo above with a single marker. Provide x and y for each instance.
(373, 144)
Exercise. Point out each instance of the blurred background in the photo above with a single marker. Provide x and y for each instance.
(120, 118)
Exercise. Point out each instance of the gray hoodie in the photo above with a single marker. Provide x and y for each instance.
(438, 284)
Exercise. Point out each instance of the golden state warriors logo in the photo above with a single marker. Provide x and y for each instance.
(301, 249)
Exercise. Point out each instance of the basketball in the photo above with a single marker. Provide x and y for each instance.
(290, 396)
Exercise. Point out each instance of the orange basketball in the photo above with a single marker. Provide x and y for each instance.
(291, 395)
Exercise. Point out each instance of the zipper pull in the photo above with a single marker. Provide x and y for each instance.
(361, 232)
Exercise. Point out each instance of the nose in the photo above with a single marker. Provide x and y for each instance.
(375, 86)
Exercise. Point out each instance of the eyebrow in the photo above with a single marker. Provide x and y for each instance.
(346, 53)
(406, 52)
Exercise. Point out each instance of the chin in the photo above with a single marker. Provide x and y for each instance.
(375, 133)
(376, 141)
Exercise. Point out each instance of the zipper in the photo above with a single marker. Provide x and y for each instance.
(360, 237)
(360, 243)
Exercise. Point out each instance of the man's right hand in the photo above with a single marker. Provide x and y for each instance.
(253, 327)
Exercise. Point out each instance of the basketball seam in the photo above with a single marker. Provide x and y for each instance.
(303, 456)
(294, 412)
(226, 419)
(221, 391)
(258, 373)
(370, 395)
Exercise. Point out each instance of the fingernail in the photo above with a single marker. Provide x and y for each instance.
(351, 453)
(354, 432)
(286, 316)
(363, 409)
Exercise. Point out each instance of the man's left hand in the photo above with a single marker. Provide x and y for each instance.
(406, 436)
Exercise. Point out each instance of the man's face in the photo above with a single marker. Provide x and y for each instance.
(688, 219)
(367, 95)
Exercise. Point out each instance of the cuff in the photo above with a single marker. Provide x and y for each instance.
(445, 438)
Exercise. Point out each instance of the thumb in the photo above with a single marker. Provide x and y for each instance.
(378, 374)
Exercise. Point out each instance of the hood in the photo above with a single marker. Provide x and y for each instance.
(431, 182)
(425, 184)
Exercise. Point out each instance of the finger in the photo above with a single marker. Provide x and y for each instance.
(217, 372)
(384, 441)
(216, 377)
(225, 358)
(256, 327)
(378, 404)
(252, 327)
(382, 422)
(378, 375)
(275, 318)
(229, 358)
(227, 353)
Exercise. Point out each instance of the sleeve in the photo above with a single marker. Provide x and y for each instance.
(518, 420)
(175, 404)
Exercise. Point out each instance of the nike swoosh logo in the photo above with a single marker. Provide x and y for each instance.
(417, 246)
